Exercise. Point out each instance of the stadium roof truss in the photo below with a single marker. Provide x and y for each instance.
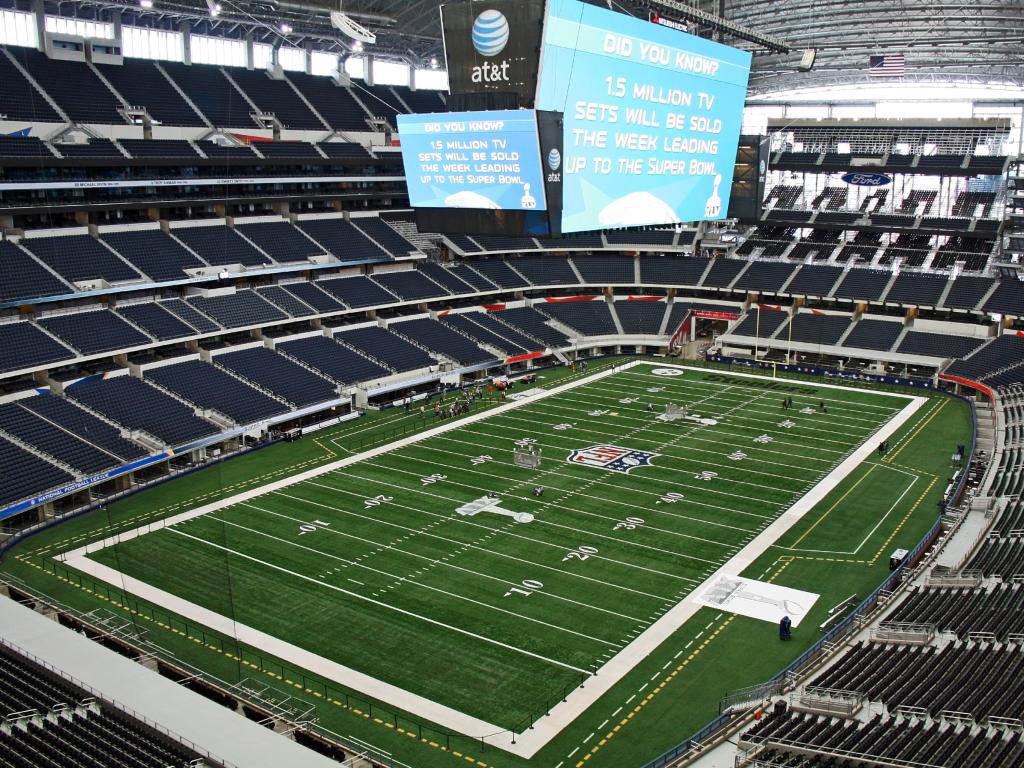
(948, 41)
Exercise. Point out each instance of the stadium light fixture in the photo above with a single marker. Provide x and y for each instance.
(213, 7)
(146, 4)
(771, 42)
(286, 28)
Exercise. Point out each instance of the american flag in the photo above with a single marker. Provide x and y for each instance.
(889, 65)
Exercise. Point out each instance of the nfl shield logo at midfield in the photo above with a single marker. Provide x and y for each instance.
(611, 457)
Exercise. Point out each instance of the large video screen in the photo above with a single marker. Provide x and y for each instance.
(652, 117)
(478, 160)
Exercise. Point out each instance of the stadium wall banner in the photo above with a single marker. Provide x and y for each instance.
(569, 299)
(85, 482)
(493, 47)
(527, 356)
(969, 383)
(867, 179)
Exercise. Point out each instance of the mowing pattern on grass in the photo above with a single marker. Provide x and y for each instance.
(372, 566)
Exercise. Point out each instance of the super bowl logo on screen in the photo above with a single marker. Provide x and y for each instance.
(611, 457)
(492, 46)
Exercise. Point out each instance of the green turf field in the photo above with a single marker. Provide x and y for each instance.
(373, 567)
(840, 548)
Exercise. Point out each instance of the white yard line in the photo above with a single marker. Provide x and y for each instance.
(528, 744)
(546, 594)
(882, 519)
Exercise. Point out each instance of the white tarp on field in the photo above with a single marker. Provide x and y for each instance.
(757, 599)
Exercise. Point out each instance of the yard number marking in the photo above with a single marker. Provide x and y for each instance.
(313, 527)
(580, 553)
(629, 524)
(529, 587)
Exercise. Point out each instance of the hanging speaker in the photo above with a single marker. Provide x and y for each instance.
(351, 28)
(807, 60)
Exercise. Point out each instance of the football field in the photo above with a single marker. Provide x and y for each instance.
(436, 575)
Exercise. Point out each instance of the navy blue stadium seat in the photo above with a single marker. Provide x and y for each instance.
(410, 285)
(69, 416)
(532, 323)
(153, 252)
(499, 273)
(465, 324)
(80, 257)
(873, 334)
(156, 321)
(333, 102)
(443, 340)
(310, 294)
(332, 359)
(357, 291)
(674, 270)
(277, 97)
(208, 88)
(25, 278)
(208, 387)
(722, 273)
(192, 316)
(22, 345)
(606, 268)
(281, 240)
(386, 237)
(134, 404)
(75, 87)
(343, 240)
(590, 318)
(384, 346)
(285, 301)
(143, 85)
(221, 245)
(163, 149)
(938, 344)
(31, 429)
(863, 285)
(238, 309)
(276, 373)
(545, 270)
(455, 280)
(640, 317)
(25, 474)
(20, 100)
(94, 332)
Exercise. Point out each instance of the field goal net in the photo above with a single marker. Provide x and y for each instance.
(674, 412)
(526, 456)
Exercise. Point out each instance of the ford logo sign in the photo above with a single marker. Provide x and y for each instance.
(867, 179)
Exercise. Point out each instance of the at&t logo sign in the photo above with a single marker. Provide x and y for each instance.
(490, 36)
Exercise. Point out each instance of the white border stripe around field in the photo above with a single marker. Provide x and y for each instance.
(528, 744)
